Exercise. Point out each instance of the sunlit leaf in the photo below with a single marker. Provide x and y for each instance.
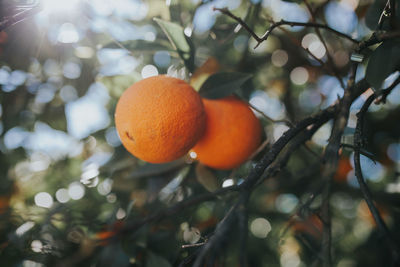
(181, 43)
(223, 84)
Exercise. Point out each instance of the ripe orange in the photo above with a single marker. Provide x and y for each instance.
(232, 134)
(159, 118)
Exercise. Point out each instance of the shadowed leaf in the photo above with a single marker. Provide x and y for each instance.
(223, 84)
(379, 66)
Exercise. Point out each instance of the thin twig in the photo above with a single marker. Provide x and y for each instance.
(330, 60)
(385, 92)
(358, 142)
(133, 226)
(287, 122)
(280, 23)
(331, 158)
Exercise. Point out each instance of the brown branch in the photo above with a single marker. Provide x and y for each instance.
(133, 226)
(287, 122)
(290, 23)
(331, 161)
(358, 142)
(280, 23)
(236, 212)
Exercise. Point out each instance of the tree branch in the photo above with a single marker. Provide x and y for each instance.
(358, 143)
(331, 161)
(281, 23)
(377, 37)
(133, 226)
(385, 92)
(253, 179)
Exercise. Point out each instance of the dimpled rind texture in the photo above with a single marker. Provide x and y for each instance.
(232, 134)
(159, 118)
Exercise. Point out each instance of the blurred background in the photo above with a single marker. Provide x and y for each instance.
(66, 181)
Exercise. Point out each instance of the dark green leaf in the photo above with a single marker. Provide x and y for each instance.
(181, 43)
(223, 84)
(383, 61)
(373, 14)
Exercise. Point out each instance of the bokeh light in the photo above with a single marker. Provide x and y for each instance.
(43, 199)
(286, 203)
(299, 75)
(279, 58)
(62, 195)
(60, 6)
(76, 190)
(149, 71)
(260, 227)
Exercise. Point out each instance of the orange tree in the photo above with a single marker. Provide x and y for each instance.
(321, 188)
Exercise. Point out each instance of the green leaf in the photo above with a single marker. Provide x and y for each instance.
(373, 14)
(154, 260)
(223, 84)
(383, 62)
(180, 42)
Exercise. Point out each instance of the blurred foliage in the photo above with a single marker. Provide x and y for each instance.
(68, 186)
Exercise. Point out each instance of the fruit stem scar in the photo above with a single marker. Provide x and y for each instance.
(129, 136)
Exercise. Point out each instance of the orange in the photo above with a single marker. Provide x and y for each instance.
(232, 134)
(159, 118)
